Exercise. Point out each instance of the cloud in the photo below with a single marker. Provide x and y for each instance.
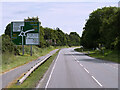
(66, 15)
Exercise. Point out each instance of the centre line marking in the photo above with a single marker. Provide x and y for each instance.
(86, 70)
(81, 65)
(96, 81)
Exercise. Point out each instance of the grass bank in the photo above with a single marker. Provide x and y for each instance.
(36, 76)
(110, 55)
(10, 61)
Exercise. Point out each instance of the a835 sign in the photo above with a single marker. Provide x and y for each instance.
(25, 33)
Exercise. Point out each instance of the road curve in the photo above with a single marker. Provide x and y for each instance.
(76, 70)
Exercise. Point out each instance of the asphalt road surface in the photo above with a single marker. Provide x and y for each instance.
(8, 77)
(75, 70)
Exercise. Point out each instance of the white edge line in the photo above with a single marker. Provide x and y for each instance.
(51, 72)
(96, 81)
(42, 79)
(86, 70)
(74, 58)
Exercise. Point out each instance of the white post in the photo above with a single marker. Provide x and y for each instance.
(22, 41)
(22, 46)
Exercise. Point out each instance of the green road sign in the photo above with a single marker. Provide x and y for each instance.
(25, 33)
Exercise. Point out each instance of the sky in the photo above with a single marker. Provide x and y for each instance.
(68, 16)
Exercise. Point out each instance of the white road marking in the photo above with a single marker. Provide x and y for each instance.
(89, 73)
(81, 65)
(51, 72)
(115, 67)
(74, 58)
(86, 70)
(111, 66)
(97, 81)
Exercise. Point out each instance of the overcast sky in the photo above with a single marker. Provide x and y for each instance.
(68, 16)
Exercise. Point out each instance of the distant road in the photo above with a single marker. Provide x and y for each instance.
(17, 72)
(76, 70)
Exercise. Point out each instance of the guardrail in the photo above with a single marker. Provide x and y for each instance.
(31, 70)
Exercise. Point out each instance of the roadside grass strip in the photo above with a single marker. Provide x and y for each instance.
(10, 61)
(108, 55)
(36, 76)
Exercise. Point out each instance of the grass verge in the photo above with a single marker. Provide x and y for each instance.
(36, 76)
(109, 55)
(10, 61)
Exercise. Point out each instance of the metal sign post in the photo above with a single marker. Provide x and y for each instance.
(22, 49)
(15, 50)
(31, 50)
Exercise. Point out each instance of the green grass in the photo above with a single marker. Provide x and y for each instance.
(10, 61)
(0, 61)
(36, 76)
(110, 55)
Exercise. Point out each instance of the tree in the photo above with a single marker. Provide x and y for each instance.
(68, 39)
(108, 29)
(102, 28)
(74, 39)
(49, 36)
(42, 40)
(7, 45)
(62, 41)
(8, 30)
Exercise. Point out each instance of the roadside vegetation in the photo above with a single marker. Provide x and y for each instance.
(9, 60)
(101, 34)
(12, 56)
(36, 76)
(50, 39)
(102, 29)
(109, 55)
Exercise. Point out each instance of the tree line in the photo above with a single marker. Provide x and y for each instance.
(48, 37)
(102, 29)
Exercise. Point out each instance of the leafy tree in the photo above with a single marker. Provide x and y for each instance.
(74, 39)
(108, 29)
(91, 30)
(62, 41)
(49, 36)
(102, 28)
(42, 40)
(7, 45)
(8, 30)
(32, 19)
(68, 39)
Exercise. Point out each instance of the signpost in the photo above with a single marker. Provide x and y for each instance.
(25, 33)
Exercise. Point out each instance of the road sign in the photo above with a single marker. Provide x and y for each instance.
(25, 33)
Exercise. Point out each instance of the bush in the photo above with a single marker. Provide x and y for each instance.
(8, 46)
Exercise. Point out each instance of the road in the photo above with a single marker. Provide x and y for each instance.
(8, 77)
(75, 70)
